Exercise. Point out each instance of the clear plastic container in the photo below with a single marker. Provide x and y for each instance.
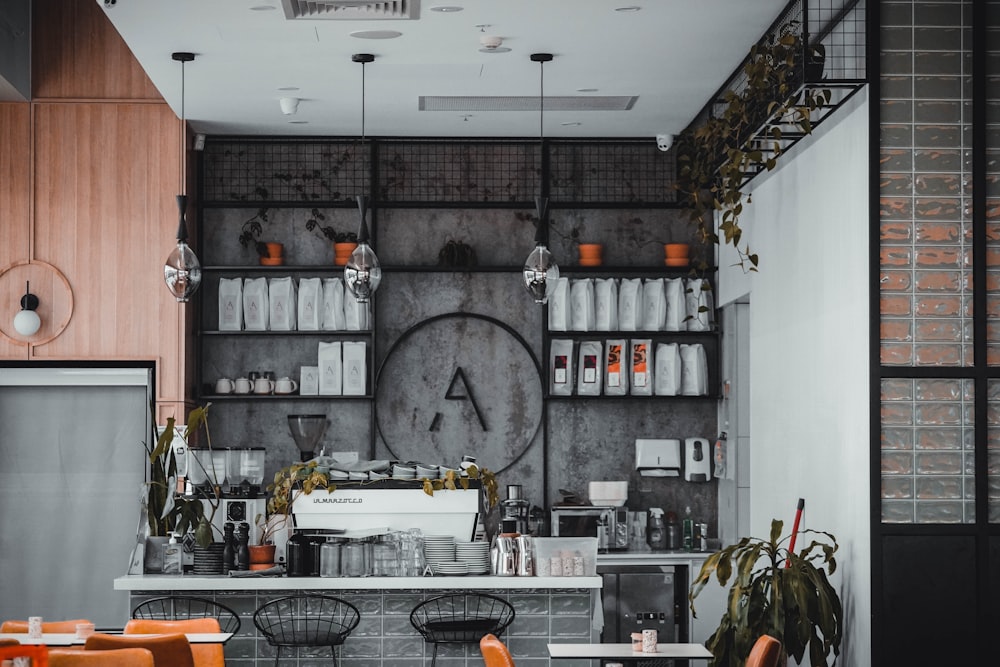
(352, 556)
(578, 553)
(329, 555)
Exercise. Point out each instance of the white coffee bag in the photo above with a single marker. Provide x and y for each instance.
(310, 309)
(653, 305)
(606, 304)
(333, 305)
(282, 304)
(642, 367)
(561, 367)
(630, 304)
(699, 305)
(230, 304)
(559, 308)
(309, 380)
(673, 289)
(355, 312)
(590, 368)
(331, 375)
(694, 370)
(255, 307)
(616, 368)
(582, 304)
(668, 369)
(355, 368)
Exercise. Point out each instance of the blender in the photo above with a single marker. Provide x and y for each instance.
(307, 431)
(244, 471)
(515, 508)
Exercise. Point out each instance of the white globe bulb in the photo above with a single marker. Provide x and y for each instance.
(27, 323)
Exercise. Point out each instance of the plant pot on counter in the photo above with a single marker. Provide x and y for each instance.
(342, 252)
(152, 562)
(208, 560)
(261, 556)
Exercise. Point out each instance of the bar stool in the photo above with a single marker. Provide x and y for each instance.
(184, 607)
(462, 618)
(306, 620)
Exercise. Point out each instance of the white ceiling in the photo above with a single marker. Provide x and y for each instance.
(671, 54)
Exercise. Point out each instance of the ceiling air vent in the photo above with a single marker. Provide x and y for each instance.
(526, 103)
(349, 10)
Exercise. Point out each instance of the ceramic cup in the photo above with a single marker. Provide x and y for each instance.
(84, 630)
(263, 386)
(34, 627)
(242, 386)
(224, 386)
(285, 386)
(649, 641)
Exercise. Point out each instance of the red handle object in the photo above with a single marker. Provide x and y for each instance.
(795, 530)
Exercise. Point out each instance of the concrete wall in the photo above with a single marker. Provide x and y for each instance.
(809, 341)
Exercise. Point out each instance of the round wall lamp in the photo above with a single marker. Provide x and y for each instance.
(27, 322)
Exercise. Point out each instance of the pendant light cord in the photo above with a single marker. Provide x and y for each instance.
(183, 134)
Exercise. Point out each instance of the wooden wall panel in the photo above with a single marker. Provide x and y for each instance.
(15, 197)
(77, 53)
(106, 176)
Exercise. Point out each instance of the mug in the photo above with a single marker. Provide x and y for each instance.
(285, 386)
(84, 630)
(224, 386)
(242, 386)
(263, 386)
(649, 641)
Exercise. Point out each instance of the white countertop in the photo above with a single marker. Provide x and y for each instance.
(652, 557)
(160, 582)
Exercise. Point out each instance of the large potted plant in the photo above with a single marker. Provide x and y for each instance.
(746, 135)
(775, 592)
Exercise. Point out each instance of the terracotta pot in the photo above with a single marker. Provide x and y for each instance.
(676, 250)
(342, 252)
(590, 254)
(261, 554)
(275, 250)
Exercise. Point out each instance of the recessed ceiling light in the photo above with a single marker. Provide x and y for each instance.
(289, 88)
(447, 9)
(586, 90)
(630, 8)
(376, 34)
(262, 8)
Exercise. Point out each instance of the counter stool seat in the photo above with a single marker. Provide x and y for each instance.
(186, 607)
(306, 620)
(461, 618)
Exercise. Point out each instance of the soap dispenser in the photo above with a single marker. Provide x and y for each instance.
(172, 556)
(656, 532)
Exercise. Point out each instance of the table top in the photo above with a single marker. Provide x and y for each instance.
(70, 639)
(624, 651)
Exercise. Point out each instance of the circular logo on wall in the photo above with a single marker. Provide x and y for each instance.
(459, 384)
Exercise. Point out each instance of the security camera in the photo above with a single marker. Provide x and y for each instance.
(664, 142)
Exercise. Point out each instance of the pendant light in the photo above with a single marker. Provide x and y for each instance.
(540, 269)
(27, 322)
(182, 271)
(362, 273)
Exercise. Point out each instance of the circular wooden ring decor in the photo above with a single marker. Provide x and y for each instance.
(55, 300)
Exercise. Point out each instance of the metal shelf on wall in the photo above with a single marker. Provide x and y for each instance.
(367, 333)
(632, 397)
(583, 335)
(433, 268)
(284, 397)
(283, 268)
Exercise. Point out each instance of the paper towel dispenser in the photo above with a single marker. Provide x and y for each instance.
(658, 457)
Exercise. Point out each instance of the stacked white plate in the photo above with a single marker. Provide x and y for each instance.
(439, 549)
(403, 472)
(452, 569)
(475, 555)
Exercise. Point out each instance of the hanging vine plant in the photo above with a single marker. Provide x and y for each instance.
(717, 158)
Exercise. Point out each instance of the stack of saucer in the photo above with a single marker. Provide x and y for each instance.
(403, 472)
(439, 549)
(476, 555)
(453, 569)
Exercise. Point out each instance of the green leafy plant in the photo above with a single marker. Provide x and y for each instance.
(749, 134)
(252, 229)
(776, 592)
(315, 225)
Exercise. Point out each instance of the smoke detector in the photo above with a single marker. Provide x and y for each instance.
(492, 44)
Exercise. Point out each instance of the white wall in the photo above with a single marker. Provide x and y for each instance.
(809, 342)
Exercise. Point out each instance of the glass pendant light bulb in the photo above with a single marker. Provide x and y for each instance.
(182, 272)
(363, 273)
(27, 322)
(540, 273)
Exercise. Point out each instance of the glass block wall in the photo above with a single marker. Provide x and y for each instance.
(925, 273)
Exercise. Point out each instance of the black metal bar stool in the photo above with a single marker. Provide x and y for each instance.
(462, 618)
(306, 620)
(182, 608)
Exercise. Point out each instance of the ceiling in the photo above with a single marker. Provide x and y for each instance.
(670, 55)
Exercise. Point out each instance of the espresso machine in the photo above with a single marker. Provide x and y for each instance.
(516, 508)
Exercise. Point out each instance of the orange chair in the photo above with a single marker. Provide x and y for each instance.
(39, 654)
(57, 627)
(205, 655)
(765, 652)
(9, 642)
(168, 650)
(123, 657)
(495, 653)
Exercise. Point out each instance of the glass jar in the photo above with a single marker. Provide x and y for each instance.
(330, 560)
(352, 556)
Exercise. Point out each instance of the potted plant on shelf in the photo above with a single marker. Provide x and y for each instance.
(270, 253)
(746, 136)
(776, 592)
(344, 243)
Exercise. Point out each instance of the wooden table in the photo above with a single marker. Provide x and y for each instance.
(70, 639)
(624, 652)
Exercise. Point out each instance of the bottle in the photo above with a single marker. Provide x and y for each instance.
(673, 532)
(229, 548)
(688, 530)
(656, 532)
(172, 554)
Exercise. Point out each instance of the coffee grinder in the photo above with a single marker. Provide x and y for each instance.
(516, 508)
